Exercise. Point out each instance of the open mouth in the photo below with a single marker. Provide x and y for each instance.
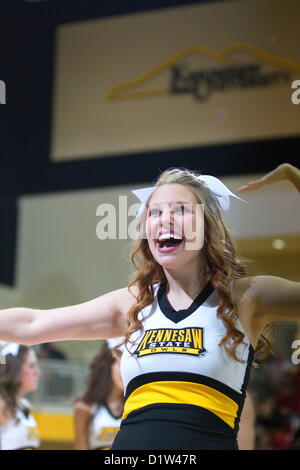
(169, 244)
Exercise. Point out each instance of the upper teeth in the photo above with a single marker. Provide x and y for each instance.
(165, 236)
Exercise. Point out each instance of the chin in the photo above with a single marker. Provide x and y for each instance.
(169, 264)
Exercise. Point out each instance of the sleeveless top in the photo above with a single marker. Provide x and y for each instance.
(103, 427)
(177, 360)
(21, 433)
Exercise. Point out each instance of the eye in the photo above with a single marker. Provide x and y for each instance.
(180, 209)
(154, 211)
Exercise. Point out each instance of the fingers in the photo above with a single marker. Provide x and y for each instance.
(280, 173)
(249, 186)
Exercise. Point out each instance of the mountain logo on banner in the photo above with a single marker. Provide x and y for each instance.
(185, 75)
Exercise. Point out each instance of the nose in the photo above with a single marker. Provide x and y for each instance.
(166, 217)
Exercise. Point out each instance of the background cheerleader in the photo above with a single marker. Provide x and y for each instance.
(19, 375)
(97, 414)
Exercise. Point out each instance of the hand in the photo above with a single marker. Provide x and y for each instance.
(280, 173)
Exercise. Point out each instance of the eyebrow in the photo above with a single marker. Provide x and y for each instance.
(172, 202)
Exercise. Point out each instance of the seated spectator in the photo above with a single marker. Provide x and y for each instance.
(273, 427)
(288, 400)
(295, 444)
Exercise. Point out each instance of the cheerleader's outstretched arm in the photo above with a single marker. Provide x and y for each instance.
(277, 299)
(285, 171)
(100, 318)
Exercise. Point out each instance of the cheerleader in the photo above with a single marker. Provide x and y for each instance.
(193, 320)
(19, 375)
(98, 412)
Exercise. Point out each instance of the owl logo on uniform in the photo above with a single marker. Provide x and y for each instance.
(175, 341)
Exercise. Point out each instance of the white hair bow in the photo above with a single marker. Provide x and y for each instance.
(220, 192)
(9, 348)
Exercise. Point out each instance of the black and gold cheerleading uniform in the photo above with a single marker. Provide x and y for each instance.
(20, 433)
(182, 390)
(103, 427)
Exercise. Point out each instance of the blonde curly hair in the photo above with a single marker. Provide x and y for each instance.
(220, 254)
